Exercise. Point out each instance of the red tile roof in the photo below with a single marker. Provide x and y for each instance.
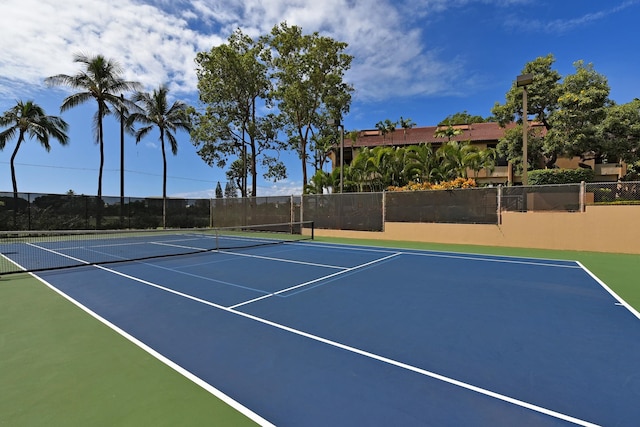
(476, 132)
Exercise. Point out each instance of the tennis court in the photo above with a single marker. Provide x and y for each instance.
(309, 333)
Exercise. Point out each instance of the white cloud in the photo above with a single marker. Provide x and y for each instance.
(156, 41)
(151, 45)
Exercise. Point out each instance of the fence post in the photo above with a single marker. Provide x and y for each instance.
(384, 209)
(292, 214)
(302, 207)
(499, 213)
(583, 192)
(210, 212)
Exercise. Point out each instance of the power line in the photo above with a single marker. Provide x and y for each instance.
(108, 170)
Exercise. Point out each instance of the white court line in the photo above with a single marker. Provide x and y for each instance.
(375, 261)
(360, 352)
(505, 261)
(290, 261)
(442, 254)
(621, 301)
(59, 253)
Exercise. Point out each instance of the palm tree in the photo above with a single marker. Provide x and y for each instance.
(448, 132)
(382, 127)
(155, 111)
(389, 165)
(406, 124)
(28, 119)
(420, 164)
(456, 157)
(100, 80)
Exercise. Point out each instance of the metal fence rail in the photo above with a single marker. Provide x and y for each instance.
(347, 211)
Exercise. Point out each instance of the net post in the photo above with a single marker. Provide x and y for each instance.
(312, 230)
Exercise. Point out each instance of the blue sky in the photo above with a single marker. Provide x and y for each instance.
(419, 59)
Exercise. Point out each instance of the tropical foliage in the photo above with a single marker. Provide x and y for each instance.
(560, 176)
(29, 120)
(577, 118)
(237, 123)
(382, 167)
(309, 88)
(100, 80)
(154, 112)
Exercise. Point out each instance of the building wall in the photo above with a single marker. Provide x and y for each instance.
(600, 229)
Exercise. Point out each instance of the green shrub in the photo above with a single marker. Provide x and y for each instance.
(560, 176)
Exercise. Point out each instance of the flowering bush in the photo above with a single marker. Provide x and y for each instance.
(447, 185)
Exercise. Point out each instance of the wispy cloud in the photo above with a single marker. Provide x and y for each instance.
(565, 25)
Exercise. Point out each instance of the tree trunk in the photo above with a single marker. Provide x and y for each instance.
(164, 181)
(122, 162)
(13, 168)
(14, 181)
(101, 142)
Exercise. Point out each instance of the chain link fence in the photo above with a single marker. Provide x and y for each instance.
(347, 211)
(565, 197)
(620, 192)
(254, 210)
(468, 206)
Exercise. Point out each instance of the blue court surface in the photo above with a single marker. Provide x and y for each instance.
(317, 334)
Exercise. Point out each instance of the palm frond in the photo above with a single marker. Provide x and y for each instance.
(142, 132)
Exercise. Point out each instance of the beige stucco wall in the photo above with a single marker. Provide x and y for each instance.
(601, 228)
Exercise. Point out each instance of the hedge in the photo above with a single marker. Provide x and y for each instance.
(560, 176)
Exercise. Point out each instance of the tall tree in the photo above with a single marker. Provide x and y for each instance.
(234, 86)
(462, 118)
(154, 111)
(542, 102)
(308, 71)
(219, 193)
(29, 120)
(582, 106)
(100, 80)
(620, 133)
(230, 190)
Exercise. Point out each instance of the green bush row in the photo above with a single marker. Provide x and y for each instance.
(560, 176)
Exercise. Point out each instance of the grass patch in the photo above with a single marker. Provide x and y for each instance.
(60, 366)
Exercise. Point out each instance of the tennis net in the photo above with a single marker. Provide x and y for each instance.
(32, 251)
